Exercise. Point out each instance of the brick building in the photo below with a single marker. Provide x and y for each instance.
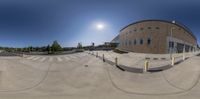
(157, 37)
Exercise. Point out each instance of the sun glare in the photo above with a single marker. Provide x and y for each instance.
(100, 26)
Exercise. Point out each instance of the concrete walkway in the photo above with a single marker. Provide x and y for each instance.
(135, 61)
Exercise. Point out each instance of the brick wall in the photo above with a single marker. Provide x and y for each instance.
(157, 31)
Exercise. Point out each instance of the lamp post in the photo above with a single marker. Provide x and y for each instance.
(171, 40)
(184, 52)
(171, 34)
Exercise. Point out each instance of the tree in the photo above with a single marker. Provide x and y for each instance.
(30, 49)
(93, 44)
(55, 47)
(79, 46)
(48, 49)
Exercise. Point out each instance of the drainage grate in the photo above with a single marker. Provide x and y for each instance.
(147, 58)
(163, 58)
(155, 58)
(86, 65)
(159, 70)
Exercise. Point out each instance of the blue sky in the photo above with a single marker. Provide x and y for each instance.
(38, 23)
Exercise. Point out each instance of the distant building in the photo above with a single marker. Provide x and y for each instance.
(156, 36)
(115, 40)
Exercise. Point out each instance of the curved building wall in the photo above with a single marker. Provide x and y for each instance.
(154, 36)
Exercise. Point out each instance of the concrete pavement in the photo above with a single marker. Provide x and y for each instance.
(81, 75)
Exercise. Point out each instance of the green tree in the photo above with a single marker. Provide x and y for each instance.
(30, 49)
(79, 45)
(55, 47)
(48, 49)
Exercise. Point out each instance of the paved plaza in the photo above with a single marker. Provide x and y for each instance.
(85, 76)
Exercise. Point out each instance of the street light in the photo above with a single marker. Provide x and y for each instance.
(171, 40)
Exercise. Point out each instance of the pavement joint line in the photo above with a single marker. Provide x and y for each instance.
(50, 59)
(171, 83)
(136, 93)
(36, 58)
(67, 58)
(43, 59)
(59, 59)
(35, 85)
(31, 57)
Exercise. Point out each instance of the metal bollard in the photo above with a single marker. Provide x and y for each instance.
(183, 56)
(146, 66)
(103, 58)
(116, 61)
(173, 60)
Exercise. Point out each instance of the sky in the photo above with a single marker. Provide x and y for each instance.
(39, 22)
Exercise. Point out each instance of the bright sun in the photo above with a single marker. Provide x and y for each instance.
(100, 26)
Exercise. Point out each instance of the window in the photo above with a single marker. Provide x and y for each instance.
(126, 43)
(130, 31)
(148, 41)
(141, 28)
(135, 30)
(171, 44)
(157, 28)
(187, 48)
(149, 27)
(141, 41)
(129, 42)
(135, 42)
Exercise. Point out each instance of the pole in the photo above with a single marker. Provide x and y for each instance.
(173, 60)
(116, 61)
(146, 66)
(184, 52)
(103, 58)
(171, 42)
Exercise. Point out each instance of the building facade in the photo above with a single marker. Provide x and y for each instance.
(157, 37)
